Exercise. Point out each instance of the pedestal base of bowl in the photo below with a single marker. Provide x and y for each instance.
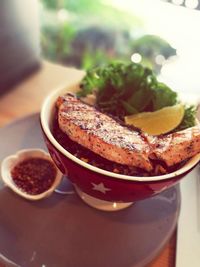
(101, 204)
(65, 187)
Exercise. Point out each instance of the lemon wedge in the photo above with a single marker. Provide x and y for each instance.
(158, 122)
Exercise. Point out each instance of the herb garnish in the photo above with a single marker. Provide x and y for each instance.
(123, 89)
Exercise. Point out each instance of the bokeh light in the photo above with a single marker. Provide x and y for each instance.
(136, 58)
(160, 59)
(191, 3)
(62, 15)
(177, 2)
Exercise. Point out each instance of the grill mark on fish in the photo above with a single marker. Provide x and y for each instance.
(112, 140)
(102, 134)
(176, 147)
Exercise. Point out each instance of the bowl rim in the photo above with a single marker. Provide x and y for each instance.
(49, 101)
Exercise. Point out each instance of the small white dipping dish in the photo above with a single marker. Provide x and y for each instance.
(11, 161)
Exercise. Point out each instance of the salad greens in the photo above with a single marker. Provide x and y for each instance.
(123, 89)
(189, 118)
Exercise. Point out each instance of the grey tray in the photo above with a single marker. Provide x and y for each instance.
(62, 231)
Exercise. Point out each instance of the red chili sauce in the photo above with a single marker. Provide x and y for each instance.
(34, 175)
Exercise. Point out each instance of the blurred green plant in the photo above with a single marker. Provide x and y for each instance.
(56, 41)
(88, 33)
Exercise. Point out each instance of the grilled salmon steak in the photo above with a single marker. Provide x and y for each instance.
(176, 147)
(102, 134)
(106, 137)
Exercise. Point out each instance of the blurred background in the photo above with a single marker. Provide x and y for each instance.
(86, 33)
(91, 33)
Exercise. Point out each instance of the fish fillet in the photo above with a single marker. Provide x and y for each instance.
(176, 147)
(100, 133)
(106, 137)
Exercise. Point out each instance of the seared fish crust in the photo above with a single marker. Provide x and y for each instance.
(176, 147)
(102, 134)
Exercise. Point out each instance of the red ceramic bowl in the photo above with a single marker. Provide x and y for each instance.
(98, 183)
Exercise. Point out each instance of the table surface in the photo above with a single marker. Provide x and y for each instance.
(27, 98)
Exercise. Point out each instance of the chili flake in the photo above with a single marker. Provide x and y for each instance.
(34, 175)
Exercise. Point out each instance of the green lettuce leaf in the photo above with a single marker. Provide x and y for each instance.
(128, 88)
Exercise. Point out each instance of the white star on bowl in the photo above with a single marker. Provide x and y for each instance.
(100, 187)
